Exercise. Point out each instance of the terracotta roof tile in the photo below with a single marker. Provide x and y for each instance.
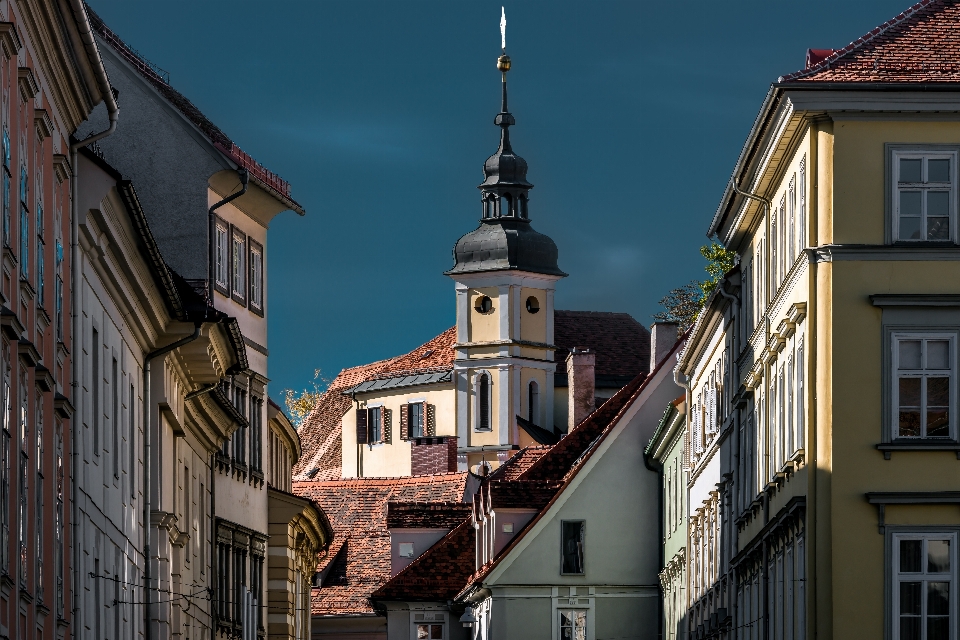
(357, 511)
(436, 355)
(438, 574)
(922, 44)
(621, 343)
(426, 515)
(521, 495)
(520, 462)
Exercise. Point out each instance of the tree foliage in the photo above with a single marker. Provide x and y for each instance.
(683, 304)
(300, 404)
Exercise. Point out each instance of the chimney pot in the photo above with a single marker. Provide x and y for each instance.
(581, 385)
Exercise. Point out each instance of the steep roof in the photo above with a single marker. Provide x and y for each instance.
(621, 344)
(357, 510)
(320, 435)
(921, 45)
(266, 179)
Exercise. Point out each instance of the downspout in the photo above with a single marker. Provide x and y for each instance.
(113, 113)
(687, 402)
(147, 504)
(751, 196)
(658, 469)
(244, 179)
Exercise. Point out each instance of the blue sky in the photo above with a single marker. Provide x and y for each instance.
(380, 114)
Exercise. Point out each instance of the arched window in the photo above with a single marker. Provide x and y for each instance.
(483, 401)
(489, 206)
(533, 403)
(522, 206)
(505, 205)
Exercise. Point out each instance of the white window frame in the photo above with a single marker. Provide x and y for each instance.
(894, 388)
(255, 251)
(895, 576)
(238, 262)
(921, 152)
(429, 618)
(222, 256)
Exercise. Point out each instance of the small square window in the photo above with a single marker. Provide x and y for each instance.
(406, 550)
(508, 527)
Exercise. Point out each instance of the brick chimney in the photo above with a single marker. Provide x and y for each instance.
(581, 385)
(663, 337)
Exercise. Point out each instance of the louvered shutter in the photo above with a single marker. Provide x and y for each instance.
(383, 424)
(362, 431)
(404, 422)
(712, 426)
(429, 420)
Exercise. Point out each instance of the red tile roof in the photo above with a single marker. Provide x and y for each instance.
(921, 45)
(521, 495)
(436, 355)
(440, 573)
(519, 463)
(357, 511)
(426, 515)
(621, 343)
(320, 433)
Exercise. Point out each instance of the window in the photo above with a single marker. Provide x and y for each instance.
(406, 550)
(239, 289)
(222, 257)
(58, 290)
(802, 221)
(115, 419)
(573, 624)
(533, 403)
(256, 277)
(376, 424)
(924, 583)
(483, 402)
(923, 385)
(95, 390)
(40, 241)
(7, 239)
(24, 224)
(416, 419)
(923, 193)
(429, 632)
(572, 533)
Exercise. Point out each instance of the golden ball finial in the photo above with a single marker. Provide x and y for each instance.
(503, 63)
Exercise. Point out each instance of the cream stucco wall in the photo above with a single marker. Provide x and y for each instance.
(484, 327)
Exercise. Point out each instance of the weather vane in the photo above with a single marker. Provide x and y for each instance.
(503, 62)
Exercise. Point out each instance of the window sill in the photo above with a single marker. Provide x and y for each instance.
(887, 448)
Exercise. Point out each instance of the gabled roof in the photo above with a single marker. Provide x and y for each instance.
(266, 179)
(621, 344)
(426, 515)
(921, 45)
(357, 510)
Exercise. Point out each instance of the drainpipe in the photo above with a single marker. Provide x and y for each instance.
(752, 196)
(687, 399)
(244, 179)
(113, 113)
(147, 504)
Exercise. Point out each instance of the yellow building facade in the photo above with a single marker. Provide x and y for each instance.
(822, 375)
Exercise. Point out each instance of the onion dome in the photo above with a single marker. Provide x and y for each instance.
(505, 240)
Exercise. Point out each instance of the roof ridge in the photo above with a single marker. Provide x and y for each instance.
(384, 478)
(859, 42)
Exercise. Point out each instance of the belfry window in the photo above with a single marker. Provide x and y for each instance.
(483, 402)
(489, 207)
(522, 206)
(533, 403)
(506, 202)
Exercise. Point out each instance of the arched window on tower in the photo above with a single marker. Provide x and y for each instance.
(483, 401)
(533, 403)
(522, 206)
(489, 206)
(506, 200)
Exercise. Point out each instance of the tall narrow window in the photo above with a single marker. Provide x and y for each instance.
(7, 238)
(375, 420)
(483, 402)
(416, 420)
(533, 402)
(924, 586)
(132, 444)
(238, 264)
(923, 389)
(38, 497)
(774, 254)
(95, 390)
(222, 257)
(802, 219)
(58, 523)
(256, 277)
(24, 475)
(115, 420)
(783, 241)
(791, 220)
(24, 224)
(572, 546)
(801, 399)
(40, 241)
(58, 290)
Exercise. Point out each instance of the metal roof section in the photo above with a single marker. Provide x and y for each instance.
(402, 381)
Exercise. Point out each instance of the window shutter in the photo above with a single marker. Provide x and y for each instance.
(362, 431)
(429, 420)
(384, 436)
(405, 422)
(712, 426)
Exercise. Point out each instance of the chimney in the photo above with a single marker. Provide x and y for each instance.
(581, 385)
(663, 337)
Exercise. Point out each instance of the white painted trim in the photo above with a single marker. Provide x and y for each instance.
(498, 278)
(504, 426)
(550, 313)
(463, 406)
(499, 362)
(463, 313)
(504, 300)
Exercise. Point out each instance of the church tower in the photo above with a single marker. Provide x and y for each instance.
(505, 275)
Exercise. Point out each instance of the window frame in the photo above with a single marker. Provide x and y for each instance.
(893, 154)
(223, 287)
(477, 426)
(891, 386)
(895, 533)
(583, 536)
(238, 289)
(255, 280)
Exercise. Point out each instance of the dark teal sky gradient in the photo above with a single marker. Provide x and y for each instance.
(380, 114)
